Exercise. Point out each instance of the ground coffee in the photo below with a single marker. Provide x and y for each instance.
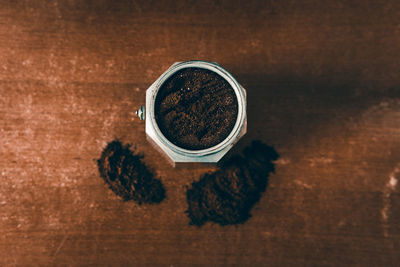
(227, 195)
(196, 108)
(127, 176)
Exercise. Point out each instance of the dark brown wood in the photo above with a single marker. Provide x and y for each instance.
(323, 88)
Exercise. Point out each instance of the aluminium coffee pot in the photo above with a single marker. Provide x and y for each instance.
(171, 150)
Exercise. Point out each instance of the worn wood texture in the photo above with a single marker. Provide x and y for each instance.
(323, 86)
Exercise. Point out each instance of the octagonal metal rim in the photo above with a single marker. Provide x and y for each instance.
(237, 129)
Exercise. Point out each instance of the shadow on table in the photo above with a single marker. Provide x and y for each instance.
(287, 111)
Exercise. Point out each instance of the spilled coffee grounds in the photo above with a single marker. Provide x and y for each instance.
(127, 176)
(227, 195)
(196, 108)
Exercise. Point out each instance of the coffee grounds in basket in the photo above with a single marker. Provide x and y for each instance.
(227, 195)
(196, 108)
(127, 176)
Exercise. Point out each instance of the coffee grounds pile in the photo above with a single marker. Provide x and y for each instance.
(127, 176)
(196, 108)
(227, 195)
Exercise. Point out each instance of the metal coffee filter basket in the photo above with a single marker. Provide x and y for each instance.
(177, 154)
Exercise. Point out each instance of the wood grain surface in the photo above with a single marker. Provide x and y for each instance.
(323, 86)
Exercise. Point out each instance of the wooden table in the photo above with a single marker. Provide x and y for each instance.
(323, 89)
